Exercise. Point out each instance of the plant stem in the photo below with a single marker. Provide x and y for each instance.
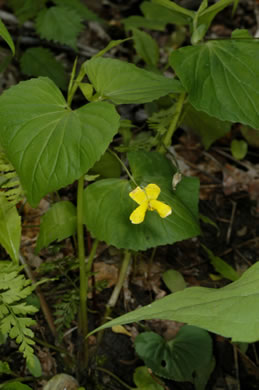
(116, 291)
(73, 85)
(124, 166)
(122, 276)
(83, 325)
(173, 125)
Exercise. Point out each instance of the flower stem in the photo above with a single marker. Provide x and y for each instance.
(116, 291)
(124, 166)
(173, 125)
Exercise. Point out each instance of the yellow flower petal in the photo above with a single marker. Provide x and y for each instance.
(138, 195)
(163, 209)
(152, 191)
(138, 215)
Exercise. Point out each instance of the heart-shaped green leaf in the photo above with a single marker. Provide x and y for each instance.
(50, 145)
(230, 311)
(177, 359)
(58, 223)
(124, 83)
(107, 206)
(222, 78)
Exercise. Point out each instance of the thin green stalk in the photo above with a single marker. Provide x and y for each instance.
(124, 167)
(116, 291)
(122, 276)
(173, 125)
(74, 84)
(83, 326)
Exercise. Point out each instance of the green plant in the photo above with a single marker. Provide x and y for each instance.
(51, 145)
(14, 311)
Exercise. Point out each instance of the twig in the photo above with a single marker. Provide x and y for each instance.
(248, 242)
(231, 158)
(234, 206)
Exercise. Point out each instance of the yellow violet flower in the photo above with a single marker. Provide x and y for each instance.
(147, 200)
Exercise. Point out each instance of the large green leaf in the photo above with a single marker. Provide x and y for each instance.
(50, 145)
(108, 206)
(124, 83)
(222, 78)
(39, 61)
(10, 228)
(59, 24)
(179, 358)
(231, 311)
(6, 36)
(58, 223)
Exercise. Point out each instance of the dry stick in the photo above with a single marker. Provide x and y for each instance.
(255, 239)
(234, 206)
(44, 306)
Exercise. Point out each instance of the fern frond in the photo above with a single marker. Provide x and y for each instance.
(159, 121)
(9, 181)
(66, 311)
(14, 311)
